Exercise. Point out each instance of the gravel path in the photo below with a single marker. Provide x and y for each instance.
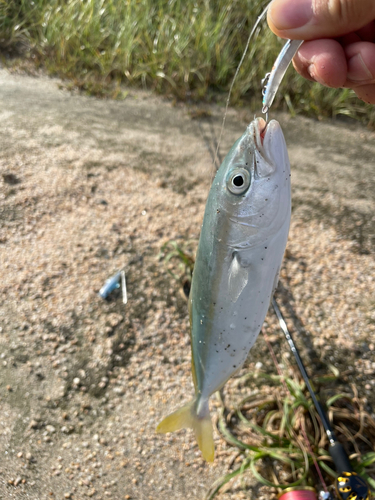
(89, 186)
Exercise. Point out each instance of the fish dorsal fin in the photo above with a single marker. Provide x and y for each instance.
(237, 279)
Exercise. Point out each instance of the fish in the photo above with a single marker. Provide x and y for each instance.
(240, 251)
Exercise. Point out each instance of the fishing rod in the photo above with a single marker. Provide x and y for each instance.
(349, 486)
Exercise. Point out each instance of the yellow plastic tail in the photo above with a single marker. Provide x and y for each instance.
(187, 418)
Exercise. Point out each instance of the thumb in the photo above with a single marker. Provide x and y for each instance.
(312, 19)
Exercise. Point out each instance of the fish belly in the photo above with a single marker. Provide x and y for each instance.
(226, 327)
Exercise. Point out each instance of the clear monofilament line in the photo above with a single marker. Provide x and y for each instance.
(258, 21)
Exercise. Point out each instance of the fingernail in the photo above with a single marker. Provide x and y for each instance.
(357, 69)
(311, 71)
(286, 14)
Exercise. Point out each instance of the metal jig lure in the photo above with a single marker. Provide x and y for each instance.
(272, 80)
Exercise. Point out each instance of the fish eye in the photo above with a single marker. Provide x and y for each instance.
(238, 181)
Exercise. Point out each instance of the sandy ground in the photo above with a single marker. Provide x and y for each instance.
(90, 186)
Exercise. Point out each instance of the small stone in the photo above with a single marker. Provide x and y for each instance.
(50, 429)
(67, 495)
(11, 179)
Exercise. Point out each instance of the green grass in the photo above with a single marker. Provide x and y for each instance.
(278, 431)
(179, 260)
(188, 49)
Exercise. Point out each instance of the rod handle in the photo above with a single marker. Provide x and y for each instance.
(339, 456)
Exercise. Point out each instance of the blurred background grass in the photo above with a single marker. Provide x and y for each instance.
(188, 49)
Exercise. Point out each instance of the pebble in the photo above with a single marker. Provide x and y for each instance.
(33, 424)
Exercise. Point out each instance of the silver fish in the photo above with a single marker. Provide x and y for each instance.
(241, 246)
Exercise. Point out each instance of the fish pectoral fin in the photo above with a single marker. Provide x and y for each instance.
(187, 417)
(237, 279)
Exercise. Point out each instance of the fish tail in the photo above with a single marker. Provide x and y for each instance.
(195, 415)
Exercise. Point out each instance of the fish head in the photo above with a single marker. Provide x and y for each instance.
(252, 185)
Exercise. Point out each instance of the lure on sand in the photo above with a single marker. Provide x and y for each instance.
(241, 246)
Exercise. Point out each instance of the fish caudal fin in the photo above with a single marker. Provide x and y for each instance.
(187, 418)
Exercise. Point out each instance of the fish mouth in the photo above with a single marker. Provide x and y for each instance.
(261, 129)
(266, 137)
(258, 132)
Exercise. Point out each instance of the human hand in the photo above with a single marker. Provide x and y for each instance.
(340, 46)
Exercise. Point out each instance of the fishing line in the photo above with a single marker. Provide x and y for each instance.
(254, 29)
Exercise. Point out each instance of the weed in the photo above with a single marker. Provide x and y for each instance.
(186, 49)
(270, 427)
(180, 261)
